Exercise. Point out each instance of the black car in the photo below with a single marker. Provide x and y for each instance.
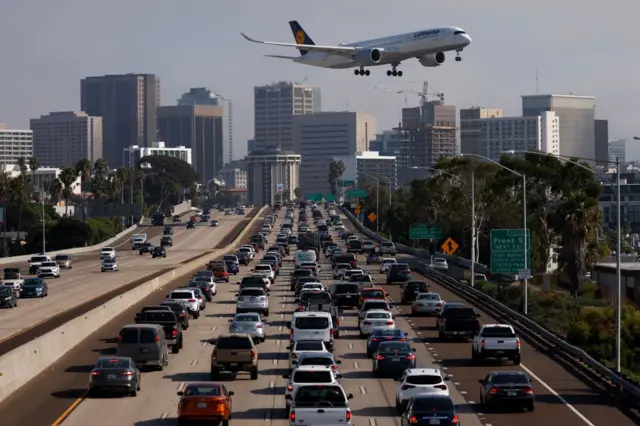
(345, 294)
(34, 287)
(167, 230)
(166, 241)
(180, 310)
(392, 358)
(507, 388)
(176, 218)
(145, 248)
(215, 223)
(191, 225)
(411, 288)
(399, 272)
(8, 297)
(159, 251)
(425, 409)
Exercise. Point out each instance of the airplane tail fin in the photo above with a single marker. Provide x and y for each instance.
(301, 36)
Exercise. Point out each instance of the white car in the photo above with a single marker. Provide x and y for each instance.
(108, 253)
(340, 269)
(439, 264)
(427, 304)
(320, 375)
(311, 265)
(250, 250)
(418, 381)
(109, 265)
(188, 297)
(301, 346)
(386, 265)
(264, 270)
(313, 287)
(376, 318)
(49, 269)
(211, 282)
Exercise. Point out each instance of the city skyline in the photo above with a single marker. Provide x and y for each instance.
(496, 69)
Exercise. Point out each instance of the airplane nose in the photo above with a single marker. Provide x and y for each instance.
(467, 38)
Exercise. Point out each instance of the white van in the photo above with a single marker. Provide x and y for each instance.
(312, 326)
(305, 256)
(139, 238)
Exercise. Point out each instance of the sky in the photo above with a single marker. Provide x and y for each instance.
(584, 47)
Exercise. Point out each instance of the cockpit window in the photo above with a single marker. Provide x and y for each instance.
(458, 32)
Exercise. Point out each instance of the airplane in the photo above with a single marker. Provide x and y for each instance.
(428, 46)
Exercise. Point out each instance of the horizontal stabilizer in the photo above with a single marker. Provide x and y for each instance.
(282, 57)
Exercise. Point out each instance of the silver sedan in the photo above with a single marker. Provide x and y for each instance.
(249, 323)
(427, 304)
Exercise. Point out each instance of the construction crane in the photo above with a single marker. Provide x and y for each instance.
(229, 102)
(423, 94)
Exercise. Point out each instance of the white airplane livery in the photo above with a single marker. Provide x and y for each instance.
(427, 46)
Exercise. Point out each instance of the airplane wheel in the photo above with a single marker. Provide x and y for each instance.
(399, 73)
(356, 72)
(367, 72)
(389, 73)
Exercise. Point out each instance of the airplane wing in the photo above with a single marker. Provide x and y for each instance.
(283, 57)
(336, 50)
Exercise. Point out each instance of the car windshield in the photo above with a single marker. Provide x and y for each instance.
(498, 332)
(234, 342)
(387, 333)
(160, 316)
(5, 290)
(426, 403)
(509, 378)
(393, 347)
(202, 391)
(311, 323)
(204, 274)
(263, 268)
(400, 267)
(113, 363)
(428, 296)
(423, 379)
(247, 318)
(307, 376)
(254, 292)
(315, 360)
(310, 396)
(372, 294)
(375, 305)
(38, 259)
(63, 257)
(346, 288)
(181, 295)
(229, 258)
(378, 315)
(49, 264)
(310, 345)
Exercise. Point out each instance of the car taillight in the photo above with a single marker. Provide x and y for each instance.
(292, 416)
(375, 339)
(517, 342)
(259, 326)
(214, 354)
(95, 373)
(404, 339)
(413, 419)
(291, 335)
(192, 300)
(294, 355)
(334, 367)
(441, 387)
(300, 308)
(411, 357)
(405, 387)
(494, 390)
(408, 271)
(119, 337)
(380, 357)
(128, 373)
(331, 332)
(389, 323)
(253, 354)
(482, 343)
(157, 338)
(174, 333)
(290, 388)
(348, 415)
(528, 391)
(455, 420)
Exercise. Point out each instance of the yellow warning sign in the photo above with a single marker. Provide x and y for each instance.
(449, 246)
(357, 210)
(372, 216)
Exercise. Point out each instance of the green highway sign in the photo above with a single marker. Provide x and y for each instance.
(315, 197)
(357, 193)
(507, 251)
(422, 231)
(345, 183)
(330, 197)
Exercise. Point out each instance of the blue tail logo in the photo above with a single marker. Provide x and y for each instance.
(301, 36)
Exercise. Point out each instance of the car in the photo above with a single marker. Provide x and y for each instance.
(374, 293)
(388, 248)
(214, 223)
(188, 297)
(374, 258)
(497, 341)
(426, 304)
(166, 241)
(180, 309)
(317, 358)
(428, 409)
(205, 402)
(36, 261)
(393, 358)
(191, 225)
(381, 335)
(159, 251)
(410, 290)
(168, 230)
(300, 346)
(200, 296)
(13, 278)
(228, 212)
(177, 218)
(49, 269)
(109, 265)
(64, 261)
(501, 389)
(368, 245)
(252, 300)
(439, 264)
(8, 297)
(108, 253)
(417, 381)
(345, 294)
(386, 264)
(34, 287)
(145, 248)
(320, 375)
(204, 287)
(350, 272)
(333, 400)
(399, 273)
(248, 323)
(370, 304)
(376, 318)
(234, 352)
(114, 374)
(233, 264)
(221, 272)
(264, 270)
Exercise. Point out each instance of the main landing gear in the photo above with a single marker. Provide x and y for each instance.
(394, 72)
(361, 71)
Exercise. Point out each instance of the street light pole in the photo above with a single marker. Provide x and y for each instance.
(525, 282)
(473, 228)
(618, 271)
(44, 227)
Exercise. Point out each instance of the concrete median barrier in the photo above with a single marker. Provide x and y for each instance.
(24, 363)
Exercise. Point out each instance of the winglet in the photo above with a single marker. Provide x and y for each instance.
(250, 39)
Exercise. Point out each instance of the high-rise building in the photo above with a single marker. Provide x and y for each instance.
(61, 139)
(275, 105)
(132, 155)
(272, 175)
(601, 140)
(322, 136)
(15, 144)
(251, 145)
(534, 133)
(128, 105)
(470, 127)
(388, 143)
(617, 149)
(577, 116)
(198, 127)
(234, 174)
(370, 167)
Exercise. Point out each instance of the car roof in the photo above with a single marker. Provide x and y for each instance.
(316, 354)
(229, 335)
(311, 314)
(378, 311)
(313, 368)
(423, 372)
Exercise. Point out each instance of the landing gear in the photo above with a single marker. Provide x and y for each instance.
(458, 57)
(394, 72)
(361, 71)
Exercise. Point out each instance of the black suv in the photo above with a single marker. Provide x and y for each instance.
(166, 241)
(8, 297)
(412, 288)
(159, 251)
(145, 248)
(399, 272)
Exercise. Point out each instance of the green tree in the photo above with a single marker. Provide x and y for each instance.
(100, 178)
(336, 170)
(297, 193)
(53, 187)
(84, 169)
(34, 165)
(67, 177)
(5, 191)
(20, 191)
(164, 177)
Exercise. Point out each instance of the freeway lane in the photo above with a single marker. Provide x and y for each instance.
(85, 281)
(562, 398)
(256, 402)
(42, 400)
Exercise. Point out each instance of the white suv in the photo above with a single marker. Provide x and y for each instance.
(49, 269)
(309, 375)
(418, 381)
(190, 300)
(386, 265)
(108, 253)
(265, 270)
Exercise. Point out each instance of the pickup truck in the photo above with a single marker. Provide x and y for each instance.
(496, 341)
(331, 309)
(169, 322)
(459, 323)
(36, 261)
(320, 405)
(12, 277)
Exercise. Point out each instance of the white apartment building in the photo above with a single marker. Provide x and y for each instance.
(275, 105)
(234, 177)
(533, 133)
(61, 139)
(321, 137)
(271, 174)
(367, 166)
(41, 178)
(15, 144)
(133, 154)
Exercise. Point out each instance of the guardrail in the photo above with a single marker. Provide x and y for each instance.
(529, 328)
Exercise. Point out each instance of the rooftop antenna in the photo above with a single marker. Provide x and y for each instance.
(537, 83)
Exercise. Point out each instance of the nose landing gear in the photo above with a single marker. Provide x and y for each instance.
(458, 57)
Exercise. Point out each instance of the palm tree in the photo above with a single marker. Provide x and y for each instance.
(54, 188)
(336, 170)
(34, 165)
(83, 167)
(67, 177)
(21, 190)
(5, 190)
(100, 175)
(297, 192)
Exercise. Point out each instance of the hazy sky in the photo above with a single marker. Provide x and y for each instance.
(582, 46)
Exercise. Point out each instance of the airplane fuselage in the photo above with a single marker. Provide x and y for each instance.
(395, 48)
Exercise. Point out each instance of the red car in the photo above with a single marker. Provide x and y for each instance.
(221, 272)
(195, 218)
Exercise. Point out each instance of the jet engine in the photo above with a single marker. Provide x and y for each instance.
(366, 57)
(432, 59)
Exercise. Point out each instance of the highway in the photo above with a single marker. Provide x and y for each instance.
(86, 282)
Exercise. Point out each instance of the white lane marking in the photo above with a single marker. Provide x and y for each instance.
(430, 349)
(164, 416)
(456, 383)
(272, 384)
(280, 328)
(194, 362)
(284, 306)
(435, 354)
(462, 392)
(204, 343)
(372, 421)
(350, 345)
(472, 402)
(356, 365)
(228, 306)
(278, 342)
(275, 362)
(363, 390)
(181, 386)
(281, 315)
(557, 395)
(213, 328)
